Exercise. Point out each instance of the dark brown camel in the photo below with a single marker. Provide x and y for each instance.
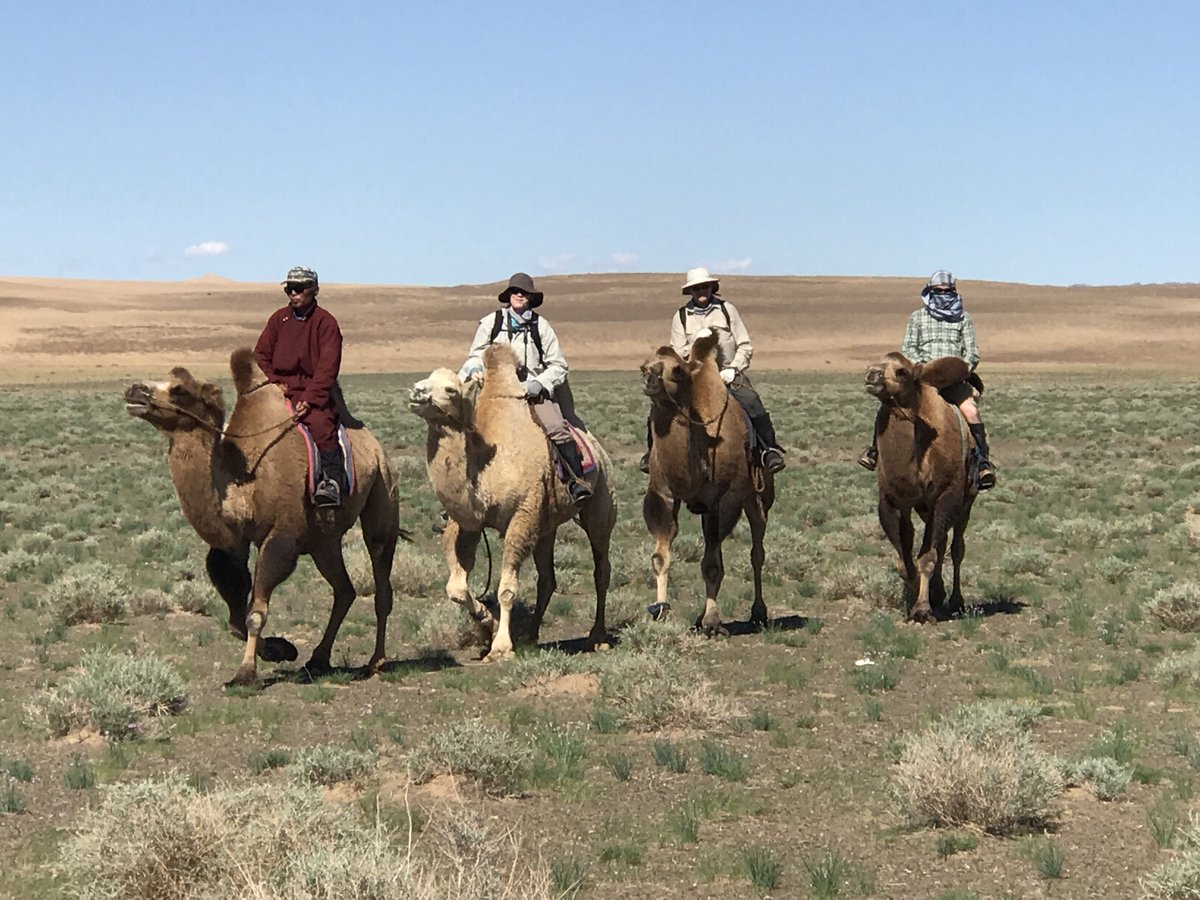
(244, 485)
(699, 457)
(924, 447)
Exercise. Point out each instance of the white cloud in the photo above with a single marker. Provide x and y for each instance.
(555, 264)
(208, 248)
(733, 265)
(624, 259)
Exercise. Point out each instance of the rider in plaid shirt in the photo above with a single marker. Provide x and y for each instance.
(941, 327)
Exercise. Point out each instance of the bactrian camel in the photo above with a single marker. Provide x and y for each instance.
(246, 484)
(700, 457)
(924, 449)
(490, 466)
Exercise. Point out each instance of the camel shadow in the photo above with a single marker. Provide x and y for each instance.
(394, 668)
(572, 646)
(998, 606)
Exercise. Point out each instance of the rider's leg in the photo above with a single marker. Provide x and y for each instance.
(987, 472)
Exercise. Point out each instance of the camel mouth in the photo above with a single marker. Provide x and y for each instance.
(875, 384)
(137, 400)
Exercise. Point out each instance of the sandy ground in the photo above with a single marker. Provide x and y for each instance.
(59, 330)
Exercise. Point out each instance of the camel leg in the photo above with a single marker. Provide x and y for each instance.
(276, 561)
(663, 522)
(933, 549)
(543, 558)
(380, 522)
(897, 525)
(332, 566)
(958, 549)
(598, 521)
(519, 541)
(756, 516)
(716, 526)
(460, 547)
(229, 571)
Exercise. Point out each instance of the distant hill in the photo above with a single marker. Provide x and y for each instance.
(58, 328)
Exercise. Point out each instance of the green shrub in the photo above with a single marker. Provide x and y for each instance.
(473, 748)
(1103, 775)
(122, 696)
(989, 774)
(91, 592)
(1178, 606)
(165, 839)
(658, 688)
(331, 763)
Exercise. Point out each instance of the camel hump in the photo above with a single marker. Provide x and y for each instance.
(944, 372)
(246, 373)
(704, 346)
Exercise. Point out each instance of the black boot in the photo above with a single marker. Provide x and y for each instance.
(579, 489)
(985, 480)
(772, 456)
(644, 464)
(333, 473)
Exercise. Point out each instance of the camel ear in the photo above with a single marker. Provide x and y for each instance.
(942, 372)
(183, 376)
(244, 367)
(213, 397)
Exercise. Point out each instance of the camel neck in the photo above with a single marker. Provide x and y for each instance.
(200, 485)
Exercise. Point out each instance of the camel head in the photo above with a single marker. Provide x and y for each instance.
(896, 379)
(441, 399)
(666, 377)
(181, 403)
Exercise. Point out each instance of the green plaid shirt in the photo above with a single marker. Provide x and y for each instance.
(926, 338)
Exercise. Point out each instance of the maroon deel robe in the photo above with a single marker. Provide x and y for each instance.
(304, 355)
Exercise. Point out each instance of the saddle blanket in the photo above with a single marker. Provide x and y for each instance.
(314, 457)
(586, 456)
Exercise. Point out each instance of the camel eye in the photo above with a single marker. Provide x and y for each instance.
(179, 392)
(902, 373)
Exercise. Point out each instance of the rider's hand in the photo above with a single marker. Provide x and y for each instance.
(533, 388)
(300, 410)
(727, 375)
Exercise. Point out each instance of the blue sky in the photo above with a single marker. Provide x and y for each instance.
(449, 143)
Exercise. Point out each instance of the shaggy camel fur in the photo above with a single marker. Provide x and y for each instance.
(490, 465)
(924, 448)
(246, 484)
(700, 457)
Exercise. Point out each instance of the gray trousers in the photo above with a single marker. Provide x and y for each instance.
(743, 391)
(550, 417)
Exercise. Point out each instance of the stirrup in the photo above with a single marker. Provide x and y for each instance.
(985, 477)
(869, 459)
(644, 463)
(579, 490)
(328, 493)
(773, 461)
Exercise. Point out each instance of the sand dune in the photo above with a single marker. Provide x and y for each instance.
(56, 329)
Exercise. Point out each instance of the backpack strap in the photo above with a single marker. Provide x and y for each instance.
(534, 332)
(724, 312)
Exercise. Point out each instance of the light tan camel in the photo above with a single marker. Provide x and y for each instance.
(246, 484)
(924, 448)
(700, 457)
(490, 465)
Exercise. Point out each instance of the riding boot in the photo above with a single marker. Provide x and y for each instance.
(579, 489)
(772, 456)
(986, 479)
(644, 464)
(333, 473)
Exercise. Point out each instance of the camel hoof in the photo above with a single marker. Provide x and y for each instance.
(277, 649)
(923, 617)
(498, 656)
(712, 627)
(244, 678)
(316, 667)
(375, 666)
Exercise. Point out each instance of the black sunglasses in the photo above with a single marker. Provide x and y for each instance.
(297, 287)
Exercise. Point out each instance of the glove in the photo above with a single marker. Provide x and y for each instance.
(727, 375)
(470, 370)
(533, 389)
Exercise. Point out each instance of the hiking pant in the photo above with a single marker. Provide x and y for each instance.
(549, 415)
(744, 393)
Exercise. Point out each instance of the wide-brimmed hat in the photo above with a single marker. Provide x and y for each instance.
(939, 279)
(523, 283)
(696, 277)
(299, 274)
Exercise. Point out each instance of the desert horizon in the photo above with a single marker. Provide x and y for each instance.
(76, 329)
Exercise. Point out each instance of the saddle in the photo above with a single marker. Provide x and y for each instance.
(586, 456)
(313, 456)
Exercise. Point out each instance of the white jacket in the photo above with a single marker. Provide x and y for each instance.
(733, 341)
(550, 371)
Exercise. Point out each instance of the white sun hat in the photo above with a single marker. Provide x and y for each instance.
(698, 276)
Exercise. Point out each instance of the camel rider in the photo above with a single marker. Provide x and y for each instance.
(301, 349)
(706, 309)
(541, 367)
(941, 327)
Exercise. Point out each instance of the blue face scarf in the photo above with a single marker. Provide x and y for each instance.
(945, 307)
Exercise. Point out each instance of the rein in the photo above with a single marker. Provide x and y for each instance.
(684, 414)
(290, 420)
